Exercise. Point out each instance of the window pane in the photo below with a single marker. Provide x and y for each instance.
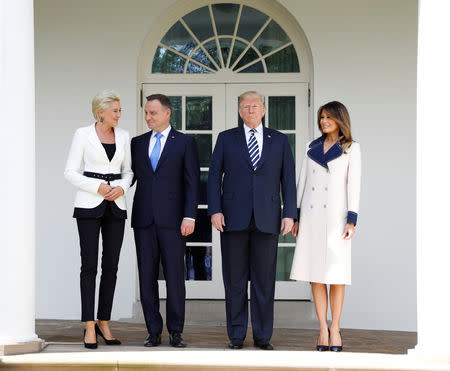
(248, 57)
(284, 262)
(211, 47)
(203, 199)
(200, 23)
(199, 113)
(175, 117)
(225, 44)
(283, 61)
(204, 146)
(201, 57)
(238, 48)
(198, 263)
(271, 38)
(225, 16)
(195, 68)
(202, 231)
(282, 113)
(251, 22)
(167, 62)
(256, 67)
(179, 39)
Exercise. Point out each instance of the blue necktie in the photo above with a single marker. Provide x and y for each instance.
(154, 156)
(253, 149)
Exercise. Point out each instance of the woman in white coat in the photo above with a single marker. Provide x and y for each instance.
(99, 165)
(328, 200)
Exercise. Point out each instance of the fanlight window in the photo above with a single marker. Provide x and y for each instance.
(225, 36)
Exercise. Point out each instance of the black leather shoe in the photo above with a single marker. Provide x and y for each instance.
(90, 345)
(263, 344)
(153, 340)
(337, 348)
(236, 344)
(176, 340)
(107, 341)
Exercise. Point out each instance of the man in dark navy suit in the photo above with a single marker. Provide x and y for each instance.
(166, 167)
(248, 166)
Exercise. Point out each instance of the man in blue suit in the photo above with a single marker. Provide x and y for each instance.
(248, 166)
(166, 167)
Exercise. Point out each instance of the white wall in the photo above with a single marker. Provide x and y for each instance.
(364, 54)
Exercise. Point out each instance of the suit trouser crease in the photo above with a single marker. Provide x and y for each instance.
(153, 243)
(112, 230)
(249, 254)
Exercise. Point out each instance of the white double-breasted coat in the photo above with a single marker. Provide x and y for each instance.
(328, 197)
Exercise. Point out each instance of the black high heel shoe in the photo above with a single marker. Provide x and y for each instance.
(337, 348)
(323, 348)
(107, 342)
(90, 345)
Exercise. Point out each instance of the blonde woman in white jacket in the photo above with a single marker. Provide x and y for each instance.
(328, 201)
(99, 165)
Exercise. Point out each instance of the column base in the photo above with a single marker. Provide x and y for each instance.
(430, 354)
(21, 348)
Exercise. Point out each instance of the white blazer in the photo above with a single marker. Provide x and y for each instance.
(88, 154)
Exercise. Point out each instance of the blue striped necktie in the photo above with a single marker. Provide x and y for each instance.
(253, 149)
(154, 156)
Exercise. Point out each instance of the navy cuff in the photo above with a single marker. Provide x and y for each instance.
(352, 217)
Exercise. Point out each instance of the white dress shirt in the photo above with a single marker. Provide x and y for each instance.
(163, 139)
(258, 136)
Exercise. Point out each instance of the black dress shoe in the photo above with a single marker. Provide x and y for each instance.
(337, 348)
(90, 345)
(107, 341)
(236, 344)
(176, 340)
(263, 344)
(153, 340)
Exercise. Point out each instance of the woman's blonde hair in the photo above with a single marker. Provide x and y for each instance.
(102, 101)
(338, 112)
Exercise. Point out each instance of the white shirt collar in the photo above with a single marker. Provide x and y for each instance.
(165, 132)
(258, 129)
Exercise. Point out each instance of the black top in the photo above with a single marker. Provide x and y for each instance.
(110, 149)
(105, 206)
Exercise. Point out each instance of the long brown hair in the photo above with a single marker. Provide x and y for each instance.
(338, 113)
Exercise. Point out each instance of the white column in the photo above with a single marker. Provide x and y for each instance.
(17, 182)
(433, 180)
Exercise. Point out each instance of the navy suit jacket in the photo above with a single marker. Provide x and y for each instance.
(170, 193)
(242, 190)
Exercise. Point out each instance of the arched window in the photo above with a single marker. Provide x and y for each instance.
(225, 36)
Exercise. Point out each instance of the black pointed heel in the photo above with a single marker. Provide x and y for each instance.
(337, 348)
(323, 348)
(107, 342)
(90, 345)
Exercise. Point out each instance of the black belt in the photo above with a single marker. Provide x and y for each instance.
(108, 177)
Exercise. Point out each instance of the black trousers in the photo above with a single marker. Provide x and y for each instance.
(152, 244)
(249, 255)
(112, 230)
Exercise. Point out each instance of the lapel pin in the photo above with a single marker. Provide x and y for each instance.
(268, 136)
(173, 136)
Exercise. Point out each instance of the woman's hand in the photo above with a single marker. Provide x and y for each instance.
(294, 230)
(349, 231)
(104, 189)
(114, 193)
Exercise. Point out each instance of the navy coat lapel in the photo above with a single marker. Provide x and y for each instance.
(145, 147)
(316, 154)
(267, 145)
(170, 142)
(242, 143)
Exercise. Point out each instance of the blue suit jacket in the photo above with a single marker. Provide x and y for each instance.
(170, 193)
(242, 190)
